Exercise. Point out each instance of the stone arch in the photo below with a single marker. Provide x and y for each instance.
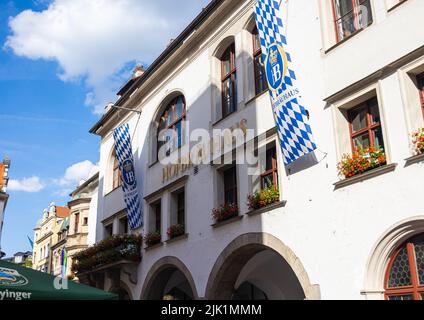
(232, 260)
(383, 250)
(222, 46)
(161, 266)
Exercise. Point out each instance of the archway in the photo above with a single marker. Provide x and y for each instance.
(384, 250)
(169, 279)
(258, 266)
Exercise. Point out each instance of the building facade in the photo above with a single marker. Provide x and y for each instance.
(65, 231)
(361, 68)
(4, 197)
(47, 233)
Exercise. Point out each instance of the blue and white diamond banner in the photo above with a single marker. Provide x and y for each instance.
(125, 158)
(290, 115)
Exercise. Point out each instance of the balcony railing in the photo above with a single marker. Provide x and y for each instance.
(110, 251)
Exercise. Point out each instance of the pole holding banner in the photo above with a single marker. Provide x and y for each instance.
(124, 155)
(291, 117)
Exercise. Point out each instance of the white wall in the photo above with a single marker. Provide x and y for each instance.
(331, 232)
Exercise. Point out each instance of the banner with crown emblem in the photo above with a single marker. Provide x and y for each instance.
(291, 117)
(125, 159)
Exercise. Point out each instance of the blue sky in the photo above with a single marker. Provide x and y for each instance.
(59, 65)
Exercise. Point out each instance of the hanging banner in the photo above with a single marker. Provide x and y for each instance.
(125, 159)
(291, 117)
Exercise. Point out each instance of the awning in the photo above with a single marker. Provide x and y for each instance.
(20, 283)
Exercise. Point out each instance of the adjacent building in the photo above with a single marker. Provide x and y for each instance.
(21, 258)
(329, 232)
(4, 178)
(46, 234)
(65, 231)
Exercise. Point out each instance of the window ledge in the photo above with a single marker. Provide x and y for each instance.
(225, 222)
(263, 210)
(176, 239)
(256, 97)
(365, 176)
(155, 246)
(346, 39)
(414, 159)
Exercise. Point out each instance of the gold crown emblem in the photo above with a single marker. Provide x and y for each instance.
(273, 56)
(128, 167)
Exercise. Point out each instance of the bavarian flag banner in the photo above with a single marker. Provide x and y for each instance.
(125, 159)
(291, 117)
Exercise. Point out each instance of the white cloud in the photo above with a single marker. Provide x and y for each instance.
(95, 40)
(78, 172)
(30, 185)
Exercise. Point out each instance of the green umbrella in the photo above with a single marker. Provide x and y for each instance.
(20, 283)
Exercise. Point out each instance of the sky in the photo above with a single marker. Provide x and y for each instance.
(61, 62)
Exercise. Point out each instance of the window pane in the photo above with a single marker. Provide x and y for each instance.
(343, 7)
(181, 208)
(378, 136)
(271, 156)
(260, 80)
(419, 253)
(375, 113)
(256, 41)
(402, 298)
(179, 137)
(227, 97)
(359, 119)
(226, 62)
(365, 13)
(179, 108)
(362, 141)
(169, 117)
(268, 181)
(400, 274)
(230, 185)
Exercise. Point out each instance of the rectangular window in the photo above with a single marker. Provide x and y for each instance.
(76, 227)
(108, 231)
(116, 174)
(420, 80)
(157, 216)
(123, 225)
(269, 178)
(229, 81)
(351, 16)
(365, 125)
(230, 185)
(181, 208)
(85, 221)
(261, 83)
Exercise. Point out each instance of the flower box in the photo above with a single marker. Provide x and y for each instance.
(111, 250)
(153, 238)
(225, 212)
(418, 141)
(176, 231)
(361, 161)
(263, 198)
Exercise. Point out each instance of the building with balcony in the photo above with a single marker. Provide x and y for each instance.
(326, 227)
(74, 233)
(4, 197)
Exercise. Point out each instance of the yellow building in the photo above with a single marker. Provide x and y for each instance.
(46, 236)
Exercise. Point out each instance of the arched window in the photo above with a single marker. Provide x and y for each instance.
(229, 81)
(116, 175)
(261, 83)
(405, 274)
(171, 126)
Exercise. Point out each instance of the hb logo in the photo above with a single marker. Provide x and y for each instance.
(128, 173)
(276, 66)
